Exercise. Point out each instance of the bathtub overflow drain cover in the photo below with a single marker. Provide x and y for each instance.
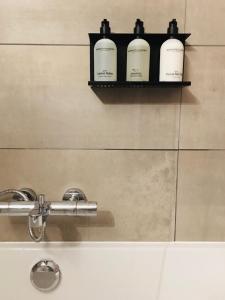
(45, 275)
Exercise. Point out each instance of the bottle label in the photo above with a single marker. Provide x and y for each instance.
(175, 50)
(105, 49)
(174, 73)
(105, 73)
(171, 64)
(136, 50)
(138, 64)
(135, 73)
(105, 63)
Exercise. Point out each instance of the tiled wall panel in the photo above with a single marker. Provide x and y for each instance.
(201, 201)
(69, 21)
(135, 191)
(205, 20)
(46, 104)
(203, 104)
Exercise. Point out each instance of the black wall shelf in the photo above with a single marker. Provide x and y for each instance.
(122, 40)
(142, 84)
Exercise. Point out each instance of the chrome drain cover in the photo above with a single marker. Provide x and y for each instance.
(45, 275)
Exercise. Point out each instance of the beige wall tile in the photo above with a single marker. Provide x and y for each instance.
(46, 102)
(201, 201)
(69, 21)
(205, 20)
(135, 191)
(203, 105)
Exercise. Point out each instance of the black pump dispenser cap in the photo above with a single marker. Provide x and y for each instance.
(139, 27)
(172, 29)
(105, 28)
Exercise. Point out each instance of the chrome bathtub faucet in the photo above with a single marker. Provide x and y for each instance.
(25, 202)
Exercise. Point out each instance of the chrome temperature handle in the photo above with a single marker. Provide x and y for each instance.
(74, 203)
(20, 195)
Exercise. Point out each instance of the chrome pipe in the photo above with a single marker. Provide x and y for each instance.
(62, 208)
(16, 208)
(87, 208)
(56, 208)
(70, 208)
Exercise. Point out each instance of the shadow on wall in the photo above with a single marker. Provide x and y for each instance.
(187, 96)
(61, 228)
(69, 227)
(146, 95)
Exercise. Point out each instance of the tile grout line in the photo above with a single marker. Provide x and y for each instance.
(185, 15)
(87, 45)
(113, 149)
(45, 44)
(178, 144)
(204, 45)
(177, 172)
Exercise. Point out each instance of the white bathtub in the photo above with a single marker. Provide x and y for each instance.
(117, 271)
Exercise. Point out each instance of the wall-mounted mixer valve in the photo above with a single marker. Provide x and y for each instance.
(25, 202)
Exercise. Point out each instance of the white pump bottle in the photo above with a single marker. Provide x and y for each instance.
(138, 56)
(171, 56)
(105, 56)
